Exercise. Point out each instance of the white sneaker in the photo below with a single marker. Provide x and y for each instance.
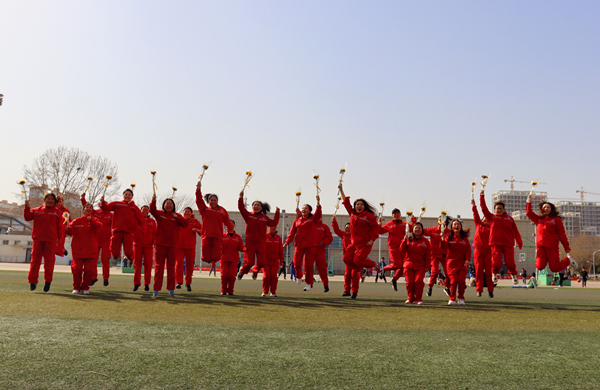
(572, 260)
(298, 281)
(75, 291)
(308, 287)
(420, 303)
(274, 295)
(451, 302)
(494, 278)
(461, 302)
(86, 292)
(263, 295)
(407, 301)
(515, 280)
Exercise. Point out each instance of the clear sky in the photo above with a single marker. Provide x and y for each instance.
(419, 98)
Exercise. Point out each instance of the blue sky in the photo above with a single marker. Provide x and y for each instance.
(419, 98)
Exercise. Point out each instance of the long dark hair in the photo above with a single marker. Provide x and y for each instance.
(165, 201)
(553, 211)
(266, 208)
(463, 233)
(368, 206)
(208, 196)
(309, 209)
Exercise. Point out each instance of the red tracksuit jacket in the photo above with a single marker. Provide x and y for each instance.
(396, 231)
(417, 253)
(127, 217)
(85, 243)
(303, 231)
(145, 240)
(212, 219)
(346, 239)
(482, 232)
(458, 251)
(322, 235)
(47, 223)
(549, 230)
(65, 219)
(503, 229)
(168, 224)
(231, 248)
(105, 217)
(363, 225)
(436, 240)
(274, 250)
(187, 237)
(256, 224)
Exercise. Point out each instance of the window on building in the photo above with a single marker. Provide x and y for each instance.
(29, 242)
(4, 242)
(17, 242)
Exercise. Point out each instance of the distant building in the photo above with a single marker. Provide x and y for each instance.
(588, 214)
(516, 200)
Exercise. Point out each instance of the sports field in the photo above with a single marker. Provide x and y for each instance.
(117, 339)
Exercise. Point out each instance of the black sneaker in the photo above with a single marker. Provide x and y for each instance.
(254, 275)
(354, 295)
(135, 287)
(189, 287)
(394, 285)
(32, 286)
(491, 293)
(346, 294)
(178, 286)
(429, 290)
(47, 286)
(105, 282)
(146, 287)
(447, 291)
(240, 276)
(326, 289)
(93, 282)
(230, 293)
(223, 294)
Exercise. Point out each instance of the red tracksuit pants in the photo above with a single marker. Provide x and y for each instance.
(83, 272)
(435, 271)
(142, 257)
(211, 249)
(164, 256)
(190, 259)
(270, 278)
(414, 283)
(255, 254)
(498, 251)
(483, 268)
(321, 262)
(59, 249)
(228, 272)
(458, 282)
(356, 258)
(347, 278)
(304, 260)
(396, 263)
(126, 240)
(41, 249)
(550, 256)
(104, 247)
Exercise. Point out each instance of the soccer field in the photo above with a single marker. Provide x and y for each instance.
(119, 339)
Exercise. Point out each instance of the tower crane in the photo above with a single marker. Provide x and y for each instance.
(585, 192)
(512, 182)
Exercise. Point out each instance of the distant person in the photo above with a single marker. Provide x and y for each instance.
(381, 270)
(503, 234)
(282, 270)
(583, 275)
(213, 269)
(524, 275)
(292, 272)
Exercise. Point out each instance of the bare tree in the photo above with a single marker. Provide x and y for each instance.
(582, 248)
(181, 201)
(66, 170)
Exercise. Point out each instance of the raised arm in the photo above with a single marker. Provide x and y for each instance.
(275, 220)
(476, 217)
(242, 207)
(199, 200)
(484, 208)
(530, 213)
(336, 228)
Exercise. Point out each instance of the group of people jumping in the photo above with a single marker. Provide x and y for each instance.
(168, 240)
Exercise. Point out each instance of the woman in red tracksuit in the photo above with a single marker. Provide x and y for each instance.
(143, 245)
(364, 231)
(168, 223)
(256, 226)
(47, 223)
(186, 248)
(213, 219)
(503, 234)
(59, 250)
(550, 230)
(303, 234)
(458, 257)
(482, 253)
(396, 230)
(346, 242)
(84, 248)
(274, 260)
(127, 218)
(323, 238)
(438, 256)
(230, 257)
(105, 217)
(417, 256)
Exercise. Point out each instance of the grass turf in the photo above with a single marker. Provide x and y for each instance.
(118, 339)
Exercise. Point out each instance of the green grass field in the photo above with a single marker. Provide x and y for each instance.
(118, 339)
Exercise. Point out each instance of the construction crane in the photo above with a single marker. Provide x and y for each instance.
(585, 192)
(513, 181)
